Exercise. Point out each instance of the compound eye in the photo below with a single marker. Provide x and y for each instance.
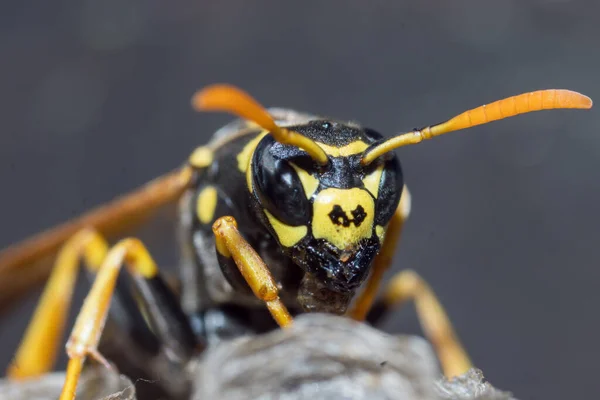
(278, 187)
(390, 190)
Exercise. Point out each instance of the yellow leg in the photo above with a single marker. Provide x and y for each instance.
(383, 260)
(38, 351)
(407, 285)
(90, 322)
(231, 244)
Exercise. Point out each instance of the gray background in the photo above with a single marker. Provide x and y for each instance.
(94, 101)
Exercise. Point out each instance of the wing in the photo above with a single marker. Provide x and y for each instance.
(27, 264)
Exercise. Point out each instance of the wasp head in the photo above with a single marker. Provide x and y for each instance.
(329, 218)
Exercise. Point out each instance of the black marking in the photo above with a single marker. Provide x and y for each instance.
(339, 217)
(342, 173)
(359, 215)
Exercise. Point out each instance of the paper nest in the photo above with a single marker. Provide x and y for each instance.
(319, 357)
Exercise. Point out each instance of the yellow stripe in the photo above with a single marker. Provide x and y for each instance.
(202, 157)
(288, 235)
(373, 180)
(309, 182)
(206, 204)
(244, 157)
(356, 147)
(380, 230)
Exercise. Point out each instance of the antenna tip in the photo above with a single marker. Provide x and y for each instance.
(201, 99)
(213, 96)
(198, 101)
(572, 99)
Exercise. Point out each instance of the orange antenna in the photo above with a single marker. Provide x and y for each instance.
(230, 99)
(509, 107)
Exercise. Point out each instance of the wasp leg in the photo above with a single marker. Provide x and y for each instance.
(90, 322)
(383, 260)
(408, 285)
(149, 336)
(38, 350)
(166, 317)
(231, 244)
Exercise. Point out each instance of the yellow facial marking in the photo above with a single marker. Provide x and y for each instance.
(206, 204)
(202, 157)
(288, 235)
(405, 202)
(380, 231)
(249, 178)
(343, 216)
(309, 182)
(245, 155)
(372, 181)
(356, 147)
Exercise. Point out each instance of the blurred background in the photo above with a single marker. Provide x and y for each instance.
(95, 101)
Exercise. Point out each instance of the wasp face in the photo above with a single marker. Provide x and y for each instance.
(330, 220)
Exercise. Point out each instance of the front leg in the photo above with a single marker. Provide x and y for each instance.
(166, 319)
(231, 245)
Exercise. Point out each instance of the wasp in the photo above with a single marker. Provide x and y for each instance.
(282, 212)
